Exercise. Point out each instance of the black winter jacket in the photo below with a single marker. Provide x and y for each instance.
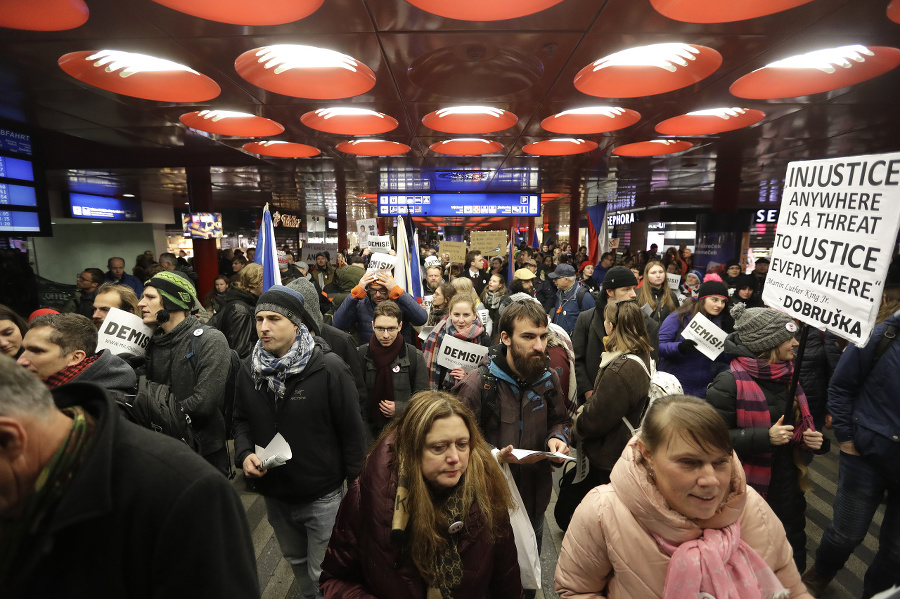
(144, 517)
(237, 321)
(404, 384)
(318, 417)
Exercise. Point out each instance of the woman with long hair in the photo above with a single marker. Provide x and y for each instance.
(215, 299)
(237, 318)
(680, 356)
(655, 292)
(677, 519)
(428, 515)
(12, 330)
(439, 302)
(494, 293)
(752, 398)
(461, 322)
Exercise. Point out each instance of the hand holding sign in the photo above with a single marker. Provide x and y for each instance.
(709, 339)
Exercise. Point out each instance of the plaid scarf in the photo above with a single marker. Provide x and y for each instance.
(438, 376)
(69, 373)
(49, 489)
(267, 368)
(753, 411)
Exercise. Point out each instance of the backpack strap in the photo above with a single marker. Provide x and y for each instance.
(490, 409)
(579, 296)
(641, 362)
(887, 339)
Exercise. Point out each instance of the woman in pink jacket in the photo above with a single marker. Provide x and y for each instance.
(677, 520)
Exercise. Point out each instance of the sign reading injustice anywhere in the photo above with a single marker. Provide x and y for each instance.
(123, 333)
(710, 338)
(459, 353)
(838, 222)
(489, 243)
(459, 204)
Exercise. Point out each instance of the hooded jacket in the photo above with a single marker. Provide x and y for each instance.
(110, 372)
(318, 417)
(143, 517)
(608, 550)
(530, 416)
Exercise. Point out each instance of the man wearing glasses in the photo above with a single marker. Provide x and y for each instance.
(374, 287)
(87, 282)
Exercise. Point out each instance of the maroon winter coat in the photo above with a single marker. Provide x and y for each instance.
(362, 562)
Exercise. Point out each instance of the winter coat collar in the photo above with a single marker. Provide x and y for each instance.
(735, 347)
(497, 363)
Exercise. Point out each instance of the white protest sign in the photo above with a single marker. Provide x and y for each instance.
(674, 280)
(366, 227)
(380, 243)
(425, 332)
(311, 249)
(710, 338)
(484, 316)
(458, 353)
(426, 302)
(381, 262)
(432, 261)
(123, 333)
(836, 230)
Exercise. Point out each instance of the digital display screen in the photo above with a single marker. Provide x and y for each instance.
(459, 204)
(15, 142)
(15, 222)
(16, 168)
(202, 225)
(17, 195)
(24, 207)
(104, 208)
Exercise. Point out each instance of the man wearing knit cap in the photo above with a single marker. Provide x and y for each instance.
(198, 381)
(375, 287)
(587, 338)
(294, 386)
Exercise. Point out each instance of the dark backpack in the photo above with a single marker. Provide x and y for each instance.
(230, 381)
(153, 406)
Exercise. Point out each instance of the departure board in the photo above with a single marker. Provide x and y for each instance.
(23, 198)
(459, 204)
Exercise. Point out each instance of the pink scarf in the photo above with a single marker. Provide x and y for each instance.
(720, 564)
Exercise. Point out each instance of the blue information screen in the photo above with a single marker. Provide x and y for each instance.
(16, 168)
(15, 142)
(104, 208)
(17, 195)
(19, 221)
(459, 204)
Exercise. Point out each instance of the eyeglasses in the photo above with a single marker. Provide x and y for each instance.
(383, 330)
(80, 278)
(379, 291)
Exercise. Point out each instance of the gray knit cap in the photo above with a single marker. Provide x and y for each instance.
(311, 297)
(761, 329)
(285, 301)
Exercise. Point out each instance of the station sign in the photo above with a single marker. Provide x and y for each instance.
(459, 204)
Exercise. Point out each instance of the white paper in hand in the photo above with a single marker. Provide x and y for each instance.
(276, 453)
(524, 453)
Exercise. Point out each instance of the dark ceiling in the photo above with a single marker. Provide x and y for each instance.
(424, 62)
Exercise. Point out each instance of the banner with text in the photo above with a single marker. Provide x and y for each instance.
(311, 249)
(710, 338)
(674, 280)
(489, 243)
(458, 353)
(366, 228)
(123, 333)
(380, 243)
(381, 262)
(455, 250)
(837, 226)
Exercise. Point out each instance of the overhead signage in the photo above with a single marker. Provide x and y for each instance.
(766, 216)
(285, 220)
(459, 204)
(623, 218)
(838, 222)
(489, 243)
(17, 195)
(16, 168)
(15, 142)
(104, 208)
(19, 221)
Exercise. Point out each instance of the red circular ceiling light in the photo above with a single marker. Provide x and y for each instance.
(246, 12)
(590, 119)
(716, 11)
(816, 72)
(466, 146)
(481, 10)
(466, 120)
(235, 124)
(710, 122)
(656, 147)
(43, 15)
(139, 76)
(281, 149)
(372, 147)
(563, 146)
(349, 121)
(893, 11)
(305, 72)
(647, 70)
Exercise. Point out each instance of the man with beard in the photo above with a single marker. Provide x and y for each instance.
(519, 404)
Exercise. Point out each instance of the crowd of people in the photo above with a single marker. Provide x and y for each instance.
(387, 472)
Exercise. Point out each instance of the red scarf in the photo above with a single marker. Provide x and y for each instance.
(384, 380)
(69, 373)
(753, 411)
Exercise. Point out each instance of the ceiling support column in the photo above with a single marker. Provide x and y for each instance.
(206, 260)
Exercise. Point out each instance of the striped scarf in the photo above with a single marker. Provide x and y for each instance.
(753, 411)
(438, 376)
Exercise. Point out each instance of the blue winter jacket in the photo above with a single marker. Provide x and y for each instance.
(565, 312)
(862, 400)
(358, 313)
(692, 369)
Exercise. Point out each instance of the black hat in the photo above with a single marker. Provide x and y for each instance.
(744, 281)
(762, 261)
(288, 302)
(731, 263)
(712, 286)
(619, 276)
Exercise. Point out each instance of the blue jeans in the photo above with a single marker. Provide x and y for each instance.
(303, 531)
(860, 489)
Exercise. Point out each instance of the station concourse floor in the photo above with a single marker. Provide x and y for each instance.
(277, 581)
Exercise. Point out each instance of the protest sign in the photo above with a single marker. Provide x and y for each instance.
(674, 280)
(489, 243)
(838, 222)
(381, 262)
(484, 316)
(123, 333)
(710, 338)
(425, 332)
(380, 243)
(426, 302)
(613, 243)
(458, 353)
(311, 249)
(366, 228)
(455, 249)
